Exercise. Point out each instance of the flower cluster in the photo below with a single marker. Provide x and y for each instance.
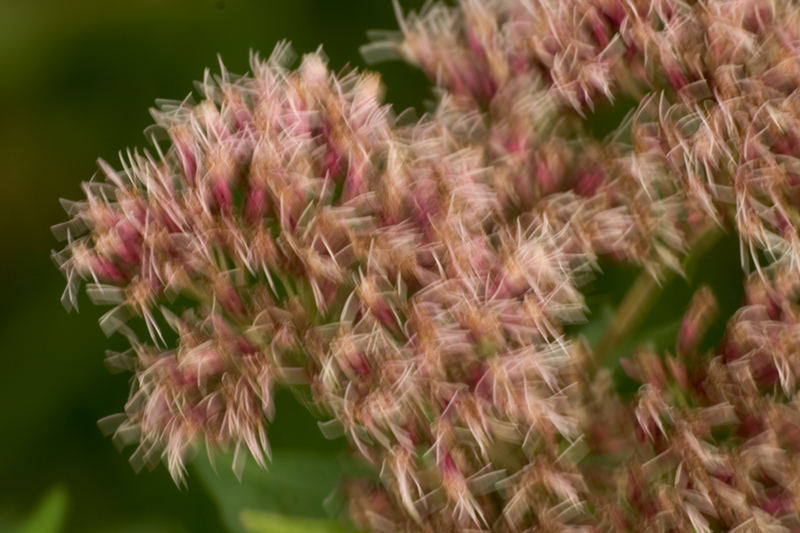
(720, 435)
(419, 280)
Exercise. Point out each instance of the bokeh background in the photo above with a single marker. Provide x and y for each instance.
(76, 81)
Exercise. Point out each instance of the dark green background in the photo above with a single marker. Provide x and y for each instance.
(76, 81)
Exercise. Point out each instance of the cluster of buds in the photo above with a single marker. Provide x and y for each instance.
(417, 280)
(715, 118)
(719, 435)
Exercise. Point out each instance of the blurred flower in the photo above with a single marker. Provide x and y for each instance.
(421, 279)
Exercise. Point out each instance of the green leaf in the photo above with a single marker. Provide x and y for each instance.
(293, 489)
(265, 522)
(48, 517)
(298, 489)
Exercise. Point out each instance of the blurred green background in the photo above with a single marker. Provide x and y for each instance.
(76, 80)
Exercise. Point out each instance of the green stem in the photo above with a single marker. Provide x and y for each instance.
(645, 291)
